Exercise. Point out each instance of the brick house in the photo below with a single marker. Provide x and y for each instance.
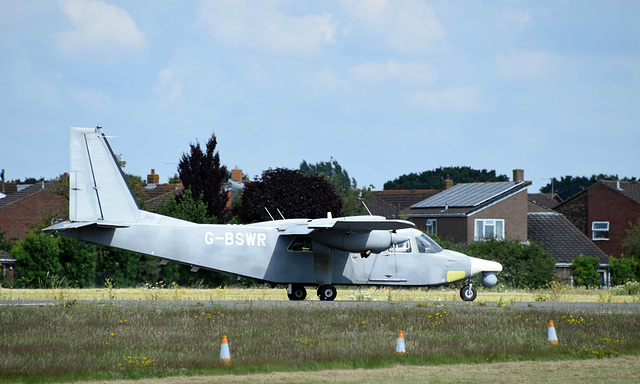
(30, 206)
(393, 204)
(604, 211)
(557, 235)
(473, 211)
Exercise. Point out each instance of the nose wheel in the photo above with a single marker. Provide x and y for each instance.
(327, 292)
(468, 292)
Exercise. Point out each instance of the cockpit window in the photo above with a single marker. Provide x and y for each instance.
(427, 245)
(404, 247)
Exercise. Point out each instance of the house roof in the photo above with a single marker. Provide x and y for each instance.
(557, 235)
(161, 192)
(469, 195)
(629, 189)
(543, 200)
(466, 199)
(23, 194)
(392, 203)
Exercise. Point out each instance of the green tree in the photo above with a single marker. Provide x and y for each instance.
(291, 192)
(5, 244)
(332, 171)
(119, 266)
(201, 172)
(78, 262)
(524, 266)
(433, 179)
(623, 270)
(347, 188)
(569, 186)
(186, 208)
(38, 260)
(584, 271)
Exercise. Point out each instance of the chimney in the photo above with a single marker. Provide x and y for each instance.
(518, 175)
(236, 174)
(447, 183)
(153, 178)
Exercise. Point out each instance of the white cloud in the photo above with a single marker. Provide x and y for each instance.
(515, 19)
(527, 65)
(167, 84)
(260, 24)
(408, 25)
(460, 98)
(412, 73)
(98, 28)
(328, 80)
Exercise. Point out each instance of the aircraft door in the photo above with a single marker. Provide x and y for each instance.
(385, 265)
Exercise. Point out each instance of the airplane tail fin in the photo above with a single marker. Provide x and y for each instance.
(98, 190)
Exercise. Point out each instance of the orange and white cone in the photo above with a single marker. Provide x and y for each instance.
(551, 334)
(225, 356)
(400, 344)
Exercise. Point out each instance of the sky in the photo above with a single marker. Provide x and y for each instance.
(386, 88)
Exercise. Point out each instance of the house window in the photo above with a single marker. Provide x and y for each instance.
(431, 227)
(489, 229)
(600, 230)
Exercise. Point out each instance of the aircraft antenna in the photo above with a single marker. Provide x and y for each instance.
(281, 215)
(367, 208)
(272, 219)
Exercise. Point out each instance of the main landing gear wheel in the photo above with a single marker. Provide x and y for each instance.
(298, 293)
(327, 292)
(468, 293)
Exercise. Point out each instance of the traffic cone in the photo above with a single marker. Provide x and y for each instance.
(551, 334)
(225, 356)
(400, 344)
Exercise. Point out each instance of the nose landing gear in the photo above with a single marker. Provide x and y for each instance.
(468, 292)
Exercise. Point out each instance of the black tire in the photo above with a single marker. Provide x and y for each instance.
(298, 293)
(467, 294)
(327, 292)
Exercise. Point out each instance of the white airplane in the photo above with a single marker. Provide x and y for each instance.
(356, 250)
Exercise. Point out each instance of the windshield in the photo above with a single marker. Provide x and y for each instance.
(427, 245)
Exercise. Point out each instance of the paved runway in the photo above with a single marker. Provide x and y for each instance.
(590, 306)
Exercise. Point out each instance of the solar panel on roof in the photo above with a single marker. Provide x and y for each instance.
(467, 195)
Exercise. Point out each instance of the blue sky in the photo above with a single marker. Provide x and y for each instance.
(384, 87)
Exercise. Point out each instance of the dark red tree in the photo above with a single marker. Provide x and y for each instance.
(291, 192)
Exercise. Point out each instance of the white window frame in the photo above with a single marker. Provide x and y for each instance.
(603, 230)
(497, 225)
(431, 227)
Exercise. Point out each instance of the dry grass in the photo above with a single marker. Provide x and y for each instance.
(625, 369)
(344, 293)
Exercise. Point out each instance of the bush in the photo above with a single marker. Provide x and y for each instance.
(524, 265)
(585, 271)
(623, 270)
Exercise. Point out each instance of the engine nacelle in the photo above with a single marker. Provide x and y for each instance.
(489, 279)
(374, 241)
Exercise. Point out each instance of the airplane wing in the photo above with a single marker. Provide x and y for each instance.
(360, 224)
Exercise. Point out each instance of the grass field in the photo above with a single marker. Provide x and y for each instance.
(117, 340)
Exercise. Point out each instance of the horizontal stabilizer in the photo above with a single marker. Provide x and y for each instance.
(80, 224)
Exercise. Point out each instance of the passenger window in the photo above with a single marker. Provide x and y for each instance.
(404, 247)
(300, 244)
